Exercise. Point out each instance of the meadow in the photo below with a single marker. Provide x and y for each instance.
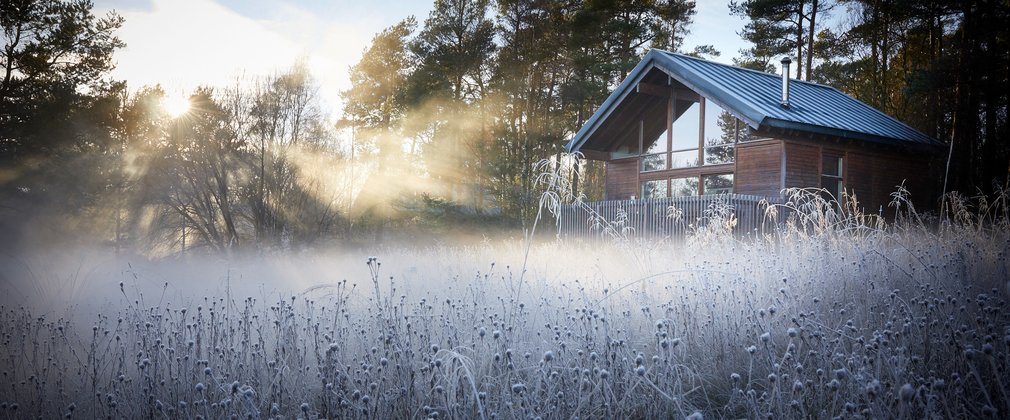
(835, 315)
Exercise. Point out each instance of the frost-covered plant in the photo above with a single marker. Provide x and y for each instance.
(838, 317)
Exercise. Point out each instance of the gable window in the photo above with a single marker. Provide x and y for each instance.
(832, 177)
(654, 158)
(701, 133)
(721, 133)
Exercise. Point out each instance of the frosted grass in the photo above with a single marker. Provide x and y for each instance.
(831, 317)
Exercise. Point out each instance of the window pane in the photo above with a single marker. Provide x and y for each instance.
(654, 189)
(718, 184)
(831, 165)
(680, 187)
(686, 128)
(719, 154)
(626, 151)
(833, 186)
(654, 162)
(720, 126)
(658, 144)
(685, 159)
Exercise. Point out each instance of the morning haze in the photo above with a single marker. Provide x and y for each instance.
(504, 209)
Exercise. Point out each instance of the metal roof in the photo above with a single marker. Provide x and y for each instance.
(754, 96)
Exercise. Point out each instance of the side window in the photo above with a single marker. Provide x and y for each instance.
(832, 175)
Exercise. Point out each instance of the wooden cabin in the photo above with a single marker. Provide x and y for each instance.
(683, 126)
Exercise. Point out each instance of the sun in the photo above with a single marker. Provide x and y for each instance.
(175, 106)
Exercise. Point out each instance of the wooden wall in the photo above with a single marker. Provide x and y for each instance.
(758, 168)
(803, 165)
(621, 179)
(871, 172)
(873, 175)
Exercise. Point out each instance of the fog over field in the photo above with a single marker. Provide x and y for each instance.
(504, 209)
(847, 319)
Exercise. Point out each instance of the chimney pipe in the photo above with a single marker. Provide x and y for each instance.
(785, 81)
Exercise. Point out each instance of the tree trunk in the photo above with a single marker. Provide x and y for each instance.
(799, 40)
(812, 25)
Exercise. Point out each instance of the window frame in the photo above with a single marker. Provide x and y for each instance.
(837, 190)
(701, 148)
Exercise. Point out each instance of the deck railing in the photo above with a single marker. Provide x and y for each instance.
(669, 217)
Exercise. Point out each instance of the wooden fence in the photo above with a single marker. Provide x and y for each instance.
(668, 217)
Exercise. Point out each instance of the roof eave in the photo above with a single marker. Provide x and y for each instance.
(618, 95)
(843, 134)
(706, 88)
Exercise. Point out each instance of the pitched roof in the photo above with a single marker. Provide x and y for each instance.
(754, 96)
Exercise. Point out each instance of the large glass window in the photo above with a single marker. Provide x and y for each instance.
(684, 159)
(686, 130)
(720, 126)
(680, 187)
(720, 134)
(701, 133)
(655, 154)
(654, 189)
(717, 184)
(688, 186)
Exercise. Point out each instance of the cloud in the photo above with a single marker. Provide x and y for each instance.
(183, 44)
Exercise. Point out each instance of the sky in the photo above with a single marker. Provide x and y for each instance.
(183, 44)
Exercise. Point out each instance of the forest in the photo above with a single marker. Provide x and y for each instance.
(446, 116)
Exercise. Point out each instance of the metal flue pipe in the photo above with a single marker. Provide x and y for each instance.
(785, 81)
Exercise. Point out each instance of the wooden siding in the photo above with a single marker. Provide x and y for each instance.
(873, 176)
(803, 165)
(870, 173)
(621, 179)
(758, 168)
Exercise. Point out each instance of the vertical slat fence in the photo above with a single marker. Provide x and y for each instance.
(667, 217)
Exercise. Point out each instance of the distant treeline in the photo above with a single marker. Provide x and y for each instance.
(444, 120)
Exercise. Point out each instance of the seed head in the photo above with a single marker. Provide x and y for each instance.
(548, 356)
(797, 386)
(907, 392)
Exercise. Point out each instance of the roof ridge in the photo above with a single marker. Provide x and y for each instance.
(763, 73)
